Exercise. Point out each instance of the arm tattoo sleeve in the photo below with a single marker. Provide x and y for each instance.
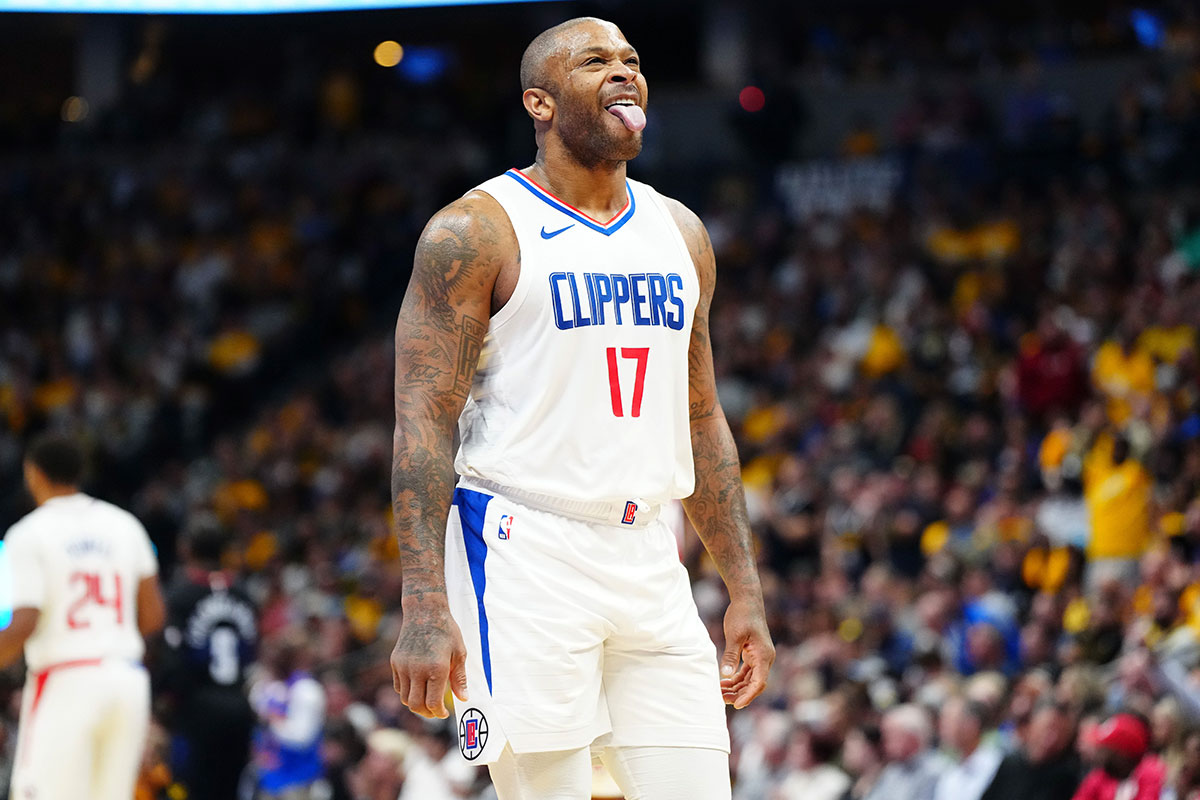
(439, 337)
(717, 507)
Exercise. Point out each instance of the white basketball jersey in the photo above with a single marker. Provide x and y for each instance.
(582, 388)
(79, 561)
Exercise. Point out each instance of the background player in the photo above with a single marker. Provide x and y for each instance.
(85, 592)
(212, 636)
(556, 459)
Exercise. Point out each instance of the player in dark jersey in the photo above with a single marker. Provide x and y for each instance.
(211, 638)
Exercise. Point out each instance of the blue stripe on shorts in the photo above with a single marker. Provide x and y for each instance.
(472, 507)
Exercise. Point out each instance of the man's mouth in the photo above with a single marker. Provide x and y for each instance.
(629, 112)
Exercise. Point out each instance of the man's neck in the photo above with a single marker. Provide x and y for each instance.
(51, 492)
(596, 190)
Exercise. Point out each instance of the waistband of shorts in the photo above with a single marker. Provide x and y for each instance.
(632, 513)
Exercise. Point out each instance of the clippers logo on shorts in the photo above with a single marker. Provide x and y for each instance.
(506, 522)
(472, 733)
(630, 513)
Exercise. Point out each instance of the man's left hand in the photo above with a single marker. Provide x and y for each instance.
(749, 653)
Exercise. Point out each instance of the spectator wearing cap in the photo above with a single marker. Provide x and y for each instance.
(961, 726)
(1127, 771)
(1047, 766)
(912, 769)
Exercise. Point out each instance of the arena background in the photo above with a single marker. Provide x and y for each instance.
(955, 332)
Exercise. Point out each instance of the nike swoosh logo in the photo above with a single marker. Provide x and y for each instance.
(552, 234)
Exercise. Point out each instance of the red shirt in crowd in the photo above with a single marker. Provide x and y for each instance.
(1146, 783)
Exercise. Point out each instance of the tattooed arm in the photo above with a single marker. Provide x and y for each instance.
(717, 507)
(465, 258)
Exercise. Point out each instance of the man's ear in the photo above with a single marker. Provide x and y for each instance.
(538, 104)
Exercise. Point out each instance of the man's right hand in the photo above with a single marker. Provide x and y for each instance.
(429, 652)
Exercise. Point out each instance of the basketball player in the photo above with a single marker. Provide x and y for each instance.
(560, 315)
(85, 592)
(212, 635)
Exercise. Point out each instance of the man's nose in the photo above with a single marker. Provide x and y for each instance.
(622, 74)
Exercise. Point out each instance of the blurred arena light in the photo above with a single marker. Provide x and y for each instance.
(1148, 27)
(388, 54)
(227, 6)
(74, 109)
(424, 65)
(752, 99)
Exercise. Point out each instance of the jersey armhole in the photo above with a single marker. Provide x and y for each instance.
(521, 290)
(677, 234)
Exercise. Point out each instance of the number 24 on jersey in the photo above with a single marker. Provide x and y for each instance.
(87, 589)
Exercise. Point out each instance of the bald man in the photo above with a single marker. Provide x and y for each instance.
(559, 315)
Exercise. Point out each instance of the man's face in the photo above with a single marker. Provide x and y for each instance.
(899, 744)
(1048, 735)
(595, 69)
(1116, 764)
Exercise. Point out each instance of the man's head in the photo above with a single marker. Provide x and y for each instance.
(53, 466)
(906, 732)
(582, 84)
(205, 542)
(961, 724)
(1050, 732)
(1121, 743)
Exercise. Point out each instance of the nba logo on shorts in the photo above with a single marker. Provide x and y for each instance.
(506, 527)
(472, 733)
(630, 513)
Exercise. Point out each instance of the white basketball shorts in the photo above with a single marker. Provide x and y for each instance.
(576, 631)
(82, 731)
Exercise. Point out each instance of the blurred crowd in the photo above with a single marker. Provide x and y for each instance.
(969, 423)
(856, 45)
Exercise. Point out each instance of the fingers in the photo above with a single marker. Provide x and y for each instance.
(458, 678)
(422, 686)
(425, 693)
(733, 685)
(733, 654)
(435, 696)
(759, 657)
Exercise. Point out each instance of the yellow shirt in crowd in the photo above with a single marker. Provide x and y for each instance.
(1123, 378)
(1118, 502)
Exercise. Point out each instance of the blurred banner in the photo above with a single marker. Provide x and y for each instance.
(226, 6)
(838, 187)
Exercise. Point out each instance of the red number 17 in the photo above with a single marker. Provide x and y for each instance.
(639, 354)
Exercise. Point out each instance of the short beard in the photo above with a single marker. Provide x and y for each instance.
(590, 144)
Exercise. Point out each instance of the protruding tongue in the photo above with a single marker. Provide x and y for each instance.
(633, 116)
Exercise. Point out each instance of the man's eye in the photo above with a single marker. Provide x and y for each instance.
(632, 61)
(594, 60)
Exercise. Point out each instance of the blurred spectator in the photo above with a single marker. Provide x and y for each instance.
(862, 756)
(211, 638)
(1126, 769)
(961, 727)
(1045, 766)
(913, 768)
(812, 774)
(1118, 493)
(380, 774)
(291, 708)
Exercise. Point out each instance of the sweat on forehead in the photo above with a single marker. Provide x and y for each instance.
(535, 63)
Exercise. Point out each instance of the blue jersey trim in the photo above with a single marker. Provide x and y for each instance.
(578, 216)
(472, 507)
